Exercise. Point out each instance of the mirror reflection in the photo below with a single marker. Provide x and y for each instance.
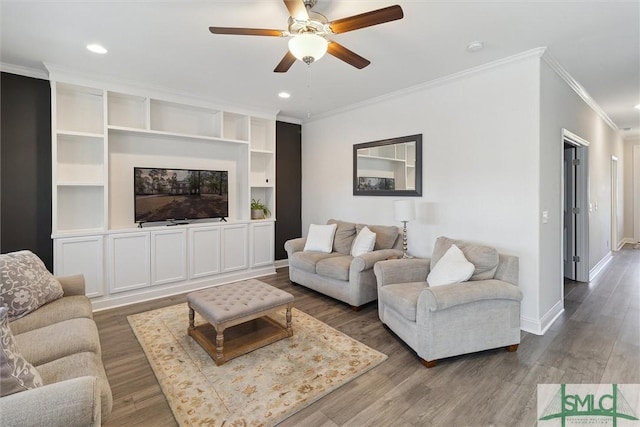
(391, 167)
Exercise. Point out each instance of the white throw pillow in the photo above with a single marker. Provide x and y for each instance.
(453, 267)
(320, 238)
(364, 242)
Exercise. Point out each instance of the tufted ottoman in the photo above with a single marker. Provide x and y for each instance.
(246, 304)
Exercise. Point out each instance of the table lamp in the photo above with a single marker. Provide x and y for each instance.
(404, 211)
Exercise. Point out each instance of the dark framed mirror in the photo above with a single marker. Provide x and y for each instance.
(389, 167)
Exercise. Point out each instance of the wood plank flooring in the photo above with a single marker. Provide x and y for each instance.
(596, 340)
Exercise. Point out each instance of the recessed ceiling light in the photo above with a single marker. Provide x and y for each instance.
(475, 46)
(284, 95)
(96, 48)
(638, 106)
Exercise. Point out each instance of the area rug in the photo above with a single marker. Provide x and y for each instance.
(260, 388)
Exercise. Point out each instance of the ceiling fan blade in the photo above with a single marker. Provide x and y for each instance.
(248, 31)
(285, 64)
(297, 9)
(367, 19)
(346, 55)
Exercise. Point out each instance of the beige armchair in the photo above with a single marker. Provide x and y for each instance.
(448, 320)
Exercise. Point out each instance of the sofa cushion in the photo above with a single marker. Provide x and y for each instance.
(59, 340)
(25, 283)
(343, 239)
(364, 242)
(307, 261)
(386, 235)
(402, 298)
(484, 258)
(72, 307)
(320, 238)
(453, 267)
(16, 373)
(335, 267)
(80, 365)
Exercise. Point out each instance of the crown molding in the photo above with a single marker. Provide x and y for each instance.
(533, 53)
(288, 119)
(577, 88)
(24, 71)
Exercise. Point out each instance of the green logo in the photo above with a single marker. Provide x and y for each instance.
(587, 404)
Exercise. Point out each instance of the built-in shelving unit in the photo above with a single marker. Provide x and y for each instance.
(99, 135)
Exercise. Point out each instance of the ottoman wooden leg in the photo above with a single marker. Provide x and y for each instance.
(288, 317)
(220, 346)
(192, 316)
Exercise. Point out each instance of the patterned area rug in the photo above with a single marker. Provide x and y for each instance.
(260, 388)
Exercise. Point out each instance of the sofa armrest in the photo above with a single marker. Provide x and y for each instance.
(369, 259)
(402, 270)
(72, 285)
(446, 296)
(69, 403)
(294, 245)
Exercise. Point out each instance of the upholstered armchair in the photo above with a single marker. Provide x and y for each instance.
(477, 314)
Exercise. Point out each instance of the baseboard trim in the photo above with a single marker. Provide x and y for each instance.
(149, 294)
(597, 269)
(542, 325)
(281, 263)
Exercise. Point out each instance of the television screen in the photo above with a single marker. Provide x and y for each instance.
(180, 194)
(373, 183)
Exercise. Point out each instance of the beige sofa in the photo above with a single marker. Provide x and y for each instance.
(442, 321)
(60, 339)
(338, 274)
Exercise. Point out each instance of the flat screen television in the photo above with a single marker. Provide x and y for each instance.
(180, 194)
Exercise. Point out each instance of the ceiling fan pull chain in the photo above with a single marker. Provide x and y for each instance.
(309, 91)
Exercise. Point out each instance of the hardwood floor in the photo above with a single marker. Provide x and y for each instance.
(596, 340)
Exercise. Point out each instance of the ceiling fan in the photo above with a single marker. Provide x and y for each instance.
(309, 32)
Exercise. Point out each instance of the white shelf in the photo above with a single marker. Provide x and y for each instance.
(79, 184)
(134, 131)
(181, 119)
(79, 109)
(128, 111)
(266, 152)
(235, 127)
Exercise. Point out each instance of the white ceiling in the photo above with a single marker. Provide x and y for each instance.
(167, 44)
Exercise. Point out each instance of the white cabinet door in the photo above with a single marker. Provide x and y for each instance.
(82, 255)
(234, 247)
(168, 256)
(204, 245)
(262, 244)
(129, 261)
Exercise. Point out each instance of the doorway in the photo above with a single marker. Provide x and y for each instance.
(575, 239)
(569, 214)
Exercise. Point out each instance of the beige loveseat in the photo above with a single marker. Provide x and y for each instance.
(60, 339)
(480, 313)
(338, 274)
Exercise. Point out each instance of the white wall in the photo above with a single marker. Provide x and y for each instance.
(480, 163)
(629, 168)
(492, 162)
(562, 108)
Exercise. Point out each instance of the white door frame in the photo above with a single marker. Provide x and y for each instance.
(636, 193)
(582, 202)
(614, 203)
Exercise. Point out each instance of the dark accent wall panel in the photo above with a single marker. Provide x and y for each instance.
(25, 166)
(288, 185)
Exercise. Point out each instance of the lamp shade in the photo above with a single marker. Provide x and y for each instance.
(308, 47)
(404, 210)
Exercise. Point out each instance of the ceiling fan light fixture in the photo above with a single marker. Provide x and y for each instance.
(308, 47)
